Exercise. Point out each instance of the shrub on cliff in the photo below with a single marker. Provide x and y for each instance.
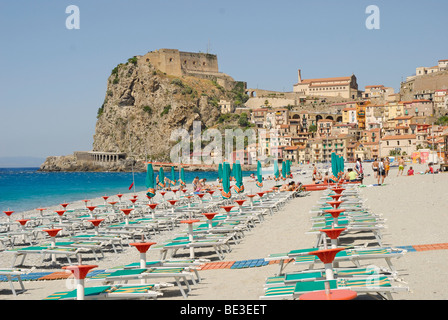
(133, 60)
(165, 110)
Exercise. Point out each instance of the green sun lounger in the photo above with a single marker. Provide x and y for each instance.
(374, 284)
(178, 274)
(45, 250)
(174, 246)
(356, 255)
(308, 275)
(110, 292)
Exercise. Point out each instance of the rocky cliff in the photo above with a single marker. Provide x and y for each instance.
(141, 108)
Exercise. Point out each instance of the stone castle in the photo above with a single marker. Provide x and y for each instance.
(181, 63)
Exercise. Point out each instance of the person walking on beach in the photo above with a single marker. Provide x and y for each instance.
(375, 168)
(381, 171)
(359, 170)
(400, 166)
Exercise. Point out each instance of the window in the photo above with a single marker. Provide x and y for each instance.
(398, 143)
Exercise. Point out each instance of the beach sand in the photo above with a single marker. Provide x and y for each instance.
(415, 209)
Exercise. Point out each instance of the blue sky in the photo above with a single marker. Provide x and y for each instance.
(53, 80)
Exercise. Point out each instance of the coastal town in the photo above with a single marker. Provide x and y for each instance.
(318, 117)
(328, 115)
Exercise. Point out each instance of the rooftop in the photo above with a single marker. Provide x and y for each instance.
(399, 137)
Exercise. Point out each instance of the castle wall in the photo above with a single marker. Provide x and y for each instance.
(166, 60)
(202, 62)
(429, 82)
(259, 102)
(179, 63)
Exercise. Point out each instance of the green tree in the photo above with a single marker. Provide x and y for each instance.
(443, 121)
(243, 120)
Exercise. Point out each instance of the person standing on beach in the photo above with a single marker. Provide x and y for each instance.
(359, 170)
(387, 165)
(400, 166)
(375, 168)
(381, 171)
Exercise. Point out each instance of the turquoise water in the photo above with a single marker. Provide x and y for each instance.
(23, 189)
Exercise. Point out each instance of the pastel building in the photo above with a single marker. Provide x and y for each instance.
(344, 87)
(400, 144)
(377, 91)
(349, 115)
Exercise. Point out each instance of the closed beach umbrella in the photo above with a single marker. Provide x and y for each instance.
(341, 164)
(182, 177)
(161, 178)
(334, 164)
(288, 168)
(259, 176)
(338, 163)
(173, 176)
(226, 181)
(239, 187)
(149, 182)
(284, 170)
(276, 172)
(220, 172)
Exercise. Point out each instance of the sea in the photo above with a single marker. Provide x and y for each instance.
(24, 189)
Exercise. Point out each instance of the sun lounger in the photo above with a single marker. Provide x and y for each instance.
(374, 228)
(118, 291)
(45, 250)
(125, 275)
(6, 242)
(375, 284)
(26, 236)
(354, 255)
(311, 275)
(11, 273)
(106, 240)
(193, 264)
(173, 247)
(222, 226)
(92, 246)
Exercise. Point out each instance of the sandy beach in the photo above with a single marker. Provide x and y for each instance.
(415, 213)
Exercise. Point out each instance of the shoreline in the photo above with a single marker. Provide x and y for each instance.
(99, 200)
